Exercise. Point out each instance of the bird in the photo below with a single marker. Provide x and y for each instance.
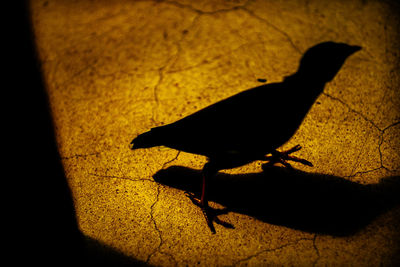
(252, 124)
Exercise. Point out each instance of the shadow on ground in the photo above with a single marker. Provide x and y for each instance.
(99, 254)
(310, 202)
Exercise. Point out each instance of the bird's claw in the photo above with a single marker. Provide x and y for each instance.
(284, 156)
(210, 214)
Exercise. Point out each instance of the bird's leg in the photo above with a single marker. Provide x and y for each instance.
(206, 172)
(284, 156)
(210, 214)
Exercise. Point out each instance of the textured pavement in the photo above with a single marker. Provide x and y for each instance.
(114, 69)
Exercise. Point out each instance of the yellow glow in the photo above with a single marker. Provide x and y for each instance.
(115, 69)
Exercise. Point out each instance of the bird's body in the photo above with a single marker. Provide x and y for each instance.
(249, 125)
(242, 128)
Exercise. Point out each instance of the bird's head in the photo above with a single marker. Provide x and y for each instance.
(323, 61)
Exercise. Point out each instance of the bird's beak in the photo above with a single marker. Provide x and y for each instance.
(354, 48)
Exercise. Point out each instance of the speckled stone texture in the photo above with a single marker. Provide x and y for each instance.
(114, 69)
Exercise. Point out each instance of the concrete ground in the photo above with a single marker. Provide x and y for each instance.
(114, 69)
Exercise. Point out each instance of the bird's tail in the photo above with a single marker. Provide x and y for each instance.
(145, 140)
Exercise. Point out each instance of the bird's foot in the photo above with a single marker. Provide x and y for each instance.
(210, 214)
(284, 156)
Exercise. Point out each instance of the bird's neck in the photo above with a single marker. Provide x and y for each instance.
(306, 85)
(306, 77)
(306, 81)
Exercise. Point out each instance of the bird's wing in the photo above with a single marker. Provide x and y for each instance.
(235, 123)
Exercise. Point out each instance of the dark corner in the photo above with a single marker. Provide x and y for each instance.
(42, 216)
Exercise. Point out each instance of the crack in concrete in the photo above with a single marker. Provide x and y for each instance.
(155, 226)
(380, 142)
(153, 220)
(211, 60)
(122, 177)
(178, 42)
(160, 236)
(131, 178)
(202, 12)
(351, 109)
(272, 250)
(76, 74)
(172, 160)
(76, 156)
(390, 126)
(316, 250)
(152, 207)
(364, 172)
(170, 62)
(362, 116)
(287, 36)
(244, 8)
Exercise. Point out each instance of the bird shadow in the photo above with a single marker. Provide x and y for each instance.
(311, 202)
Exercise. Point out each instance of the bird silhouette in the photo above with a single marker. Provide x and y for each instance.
(251, 125)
